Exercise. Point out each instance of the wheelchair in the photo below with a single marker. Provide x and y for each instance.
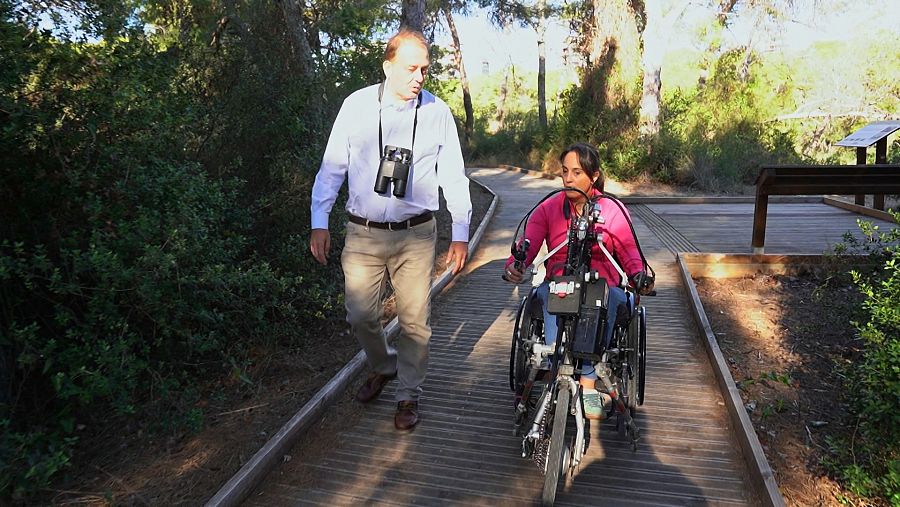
(545, 377)
(625, 355)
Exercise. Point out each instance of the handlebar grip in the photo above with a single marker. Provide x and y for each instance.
(520, 266)
(518, 254)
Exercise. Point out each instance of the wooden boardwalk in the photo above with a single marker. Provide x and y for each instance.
(726, 228)
(464, 453)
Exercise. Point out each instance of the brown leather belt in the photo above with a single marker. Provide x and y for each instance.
(393, 226)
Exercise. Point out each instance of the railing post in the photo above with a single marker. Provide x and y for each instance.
(860, 160)
(880, 158)
(759, 222)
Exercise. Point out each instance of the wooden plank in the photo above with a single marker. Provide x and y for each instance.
(861, 160)
(861, 210)
(719, 200)
(758, 465)
(838, 186)
(859, 180)
(880, 158)
(799, 228)
(760, 211)
(724, 266)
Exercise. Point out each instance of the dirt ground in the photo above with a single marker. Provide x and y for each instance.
(784, 338)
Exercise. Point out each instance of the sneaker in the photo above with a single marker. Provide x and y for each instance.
(596, 404)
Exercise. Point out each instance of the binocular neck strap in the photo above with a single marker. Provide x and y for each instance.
(415, 121)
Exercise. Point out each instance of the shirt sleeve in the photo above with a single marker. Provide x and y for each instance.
(537, 231)
(624, 245)
(333, 170)
(452, 179)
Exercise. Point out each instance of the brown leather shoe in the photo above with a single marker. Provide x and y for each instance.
(407, 415)
(372, 387)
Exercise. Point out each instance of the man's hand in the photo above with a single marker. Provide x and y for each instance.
(320, 244)
(457, 254)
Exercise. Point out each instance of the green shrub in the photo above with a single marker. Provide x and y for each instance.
(869, 463)
(135, 195)
(512, 145)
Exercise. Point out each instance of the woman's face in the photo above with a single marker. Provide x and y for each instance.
(574, 176)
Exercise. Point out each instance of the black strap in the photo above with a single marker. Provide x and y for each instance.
(415, 121)
(567, 212)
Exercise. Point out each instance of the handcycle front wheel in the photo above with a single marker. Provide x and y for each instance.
(556, 462)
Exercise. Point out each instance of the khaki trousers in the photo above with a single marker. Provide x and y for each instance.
(407, 256)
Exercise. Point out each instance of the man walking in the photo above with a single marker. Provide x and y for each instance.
(396, 144)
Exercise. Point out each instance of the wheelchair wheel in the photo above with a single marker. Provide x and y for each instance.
(643, 361)
(636, 343)
(517, 350)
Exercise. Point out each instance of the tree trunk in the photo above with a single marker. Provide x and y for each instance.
(542, 70)
(464, 81)
(412, 15)
(299, 44)
(504, 87)
(615, 50)
(652, 60)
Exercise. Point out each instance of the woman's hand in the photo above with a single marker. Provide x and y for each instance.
(513, 275)
(643, 283)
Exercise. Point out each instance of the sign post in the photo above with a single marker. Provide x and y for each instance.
(874, 133)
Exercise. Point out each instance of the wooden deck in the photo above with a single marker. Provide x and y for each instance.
(463, 451)
(809, 228)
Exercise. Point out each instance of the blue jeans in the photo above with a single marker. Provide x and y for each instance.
(617, 296)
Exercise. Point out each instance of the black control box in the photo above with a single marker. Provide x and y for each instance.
(565, 295)
(591, 320)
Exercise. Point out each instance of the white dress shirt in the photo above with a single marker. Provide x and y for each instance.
(353, 151)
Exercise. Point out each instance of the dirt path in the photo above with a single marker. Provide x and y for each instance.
(784, 339)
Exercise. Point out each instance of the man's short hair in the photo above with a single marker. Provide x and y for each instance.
(404, 35)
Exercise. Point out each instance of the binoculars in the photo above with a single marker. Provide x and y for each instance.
(394, 168)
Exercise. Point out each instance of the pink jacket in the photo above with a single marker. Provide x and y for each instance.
(549, 224)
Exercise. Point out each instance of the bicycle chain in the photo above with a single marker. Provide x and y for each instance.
(542, 446)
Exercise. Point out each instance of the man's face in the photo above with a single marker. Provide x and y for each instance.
(406, 72)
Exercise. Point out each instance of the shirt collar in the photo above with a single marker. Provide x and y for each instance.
(398, 105)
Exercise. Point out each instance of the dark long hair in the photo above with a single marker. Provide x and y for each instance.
(589, 159)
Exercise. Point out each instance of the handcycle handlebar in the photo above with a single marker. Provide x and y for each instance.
(519, 252)
(643, 283)
(583, 231)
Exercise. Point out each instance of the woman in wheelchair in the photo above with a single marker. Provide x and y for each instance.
(549, 223)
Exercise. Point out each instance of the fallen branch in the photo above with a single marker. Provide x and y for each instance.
(245, 409)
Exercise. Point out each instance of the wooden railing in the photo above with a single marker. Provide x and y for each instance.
(815, 180)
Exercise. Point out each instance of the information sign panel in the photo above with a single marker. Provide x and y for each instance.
(870, 134)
